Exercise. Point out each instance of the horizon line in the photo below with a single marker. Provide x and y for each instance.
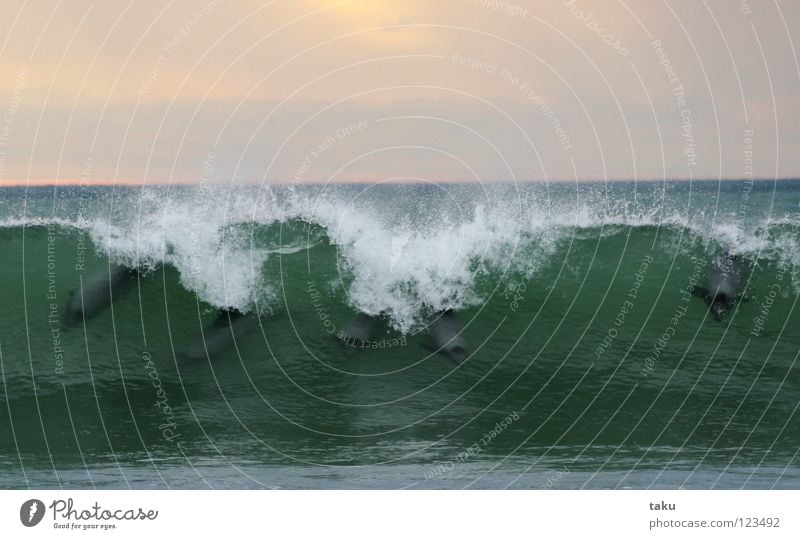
(140, 183)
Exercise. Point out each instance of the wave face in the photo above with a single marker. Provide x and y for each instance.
(573, 300)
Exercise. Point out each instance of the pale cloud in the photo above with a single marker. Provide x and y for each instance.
(148, 89)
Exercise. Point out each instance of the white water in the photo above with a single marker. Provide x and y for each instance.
(402, 255)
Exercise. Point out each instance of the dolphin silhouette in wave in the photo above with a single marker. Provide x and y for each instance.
(447, 337)
(724, 280)
(357, 334)
(220, 335)
(96, 293)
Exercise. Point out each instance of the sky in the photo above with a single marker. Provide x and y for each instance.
(302, 91)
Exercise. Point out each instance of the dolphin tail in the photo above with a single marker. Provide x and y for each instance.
(220, 335)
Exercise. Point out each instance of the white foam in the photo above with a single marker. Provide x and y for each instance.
(196, 234)
(400, 261)
(404, 272)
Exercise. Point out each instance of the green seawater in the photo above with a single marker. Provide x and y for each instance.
(590, 364)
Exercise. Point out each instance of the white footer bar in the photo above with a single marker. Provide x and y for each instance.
(400, 514)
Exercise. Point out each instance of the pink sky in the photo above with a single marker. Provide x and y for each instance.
(367, 90)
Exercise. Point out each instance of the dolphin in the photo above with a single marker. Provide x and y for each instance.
(97, 293)
(724, 280)
(357, 333)
(447, 337)
(229, 325)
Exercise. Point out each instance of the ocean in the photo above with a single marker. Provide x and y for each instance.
(400, 336)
